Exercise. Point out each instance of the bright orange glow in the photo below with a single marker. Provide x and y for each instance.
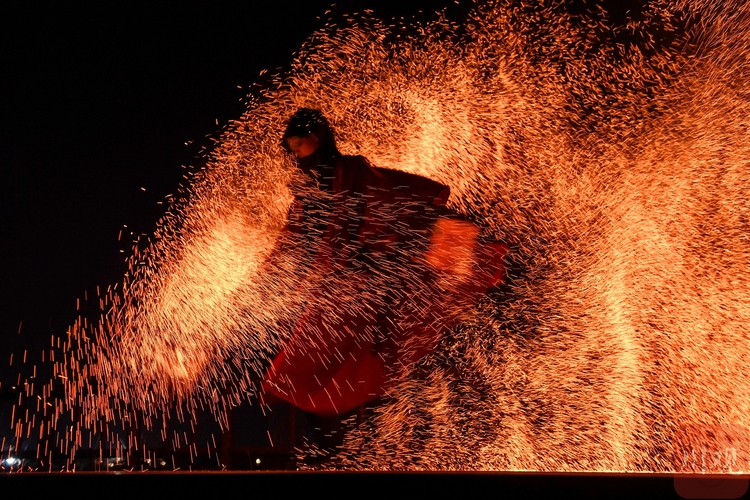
(618, 173)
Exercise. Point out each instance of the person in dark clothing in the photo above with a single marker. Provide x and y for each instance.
(388, 269)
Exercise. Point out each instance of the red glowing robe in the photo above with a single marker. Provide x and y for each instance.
(393, 273)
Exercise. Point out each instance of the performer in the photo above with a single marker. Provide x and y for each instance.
(388, 268)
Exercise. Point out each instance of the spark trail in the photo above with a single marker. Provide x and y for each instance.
(615, 164)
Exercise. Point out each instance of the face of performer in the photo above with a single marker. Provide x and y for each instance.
(302, 146)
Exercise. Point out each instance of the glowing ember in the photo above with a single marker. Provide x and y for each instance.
(616, 168)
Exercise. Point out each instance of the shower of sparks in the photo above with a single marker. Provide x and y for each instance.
(616, 165)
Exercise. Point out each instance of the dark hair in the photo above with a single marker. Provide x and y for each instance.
(308, 121)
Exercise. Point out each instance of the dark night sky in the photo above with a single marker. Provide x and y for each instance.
(98, 102)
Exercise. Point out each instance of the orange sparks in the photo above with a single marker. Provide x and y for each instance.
(618, 173)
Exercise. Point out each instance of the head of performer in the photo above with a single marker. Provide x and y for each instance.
(309, 138)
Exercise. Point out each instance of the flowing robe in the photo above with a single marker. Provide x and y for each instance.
(392, 270)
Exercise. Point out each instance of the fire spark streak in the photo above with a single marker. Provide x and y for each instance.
(618, 170)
